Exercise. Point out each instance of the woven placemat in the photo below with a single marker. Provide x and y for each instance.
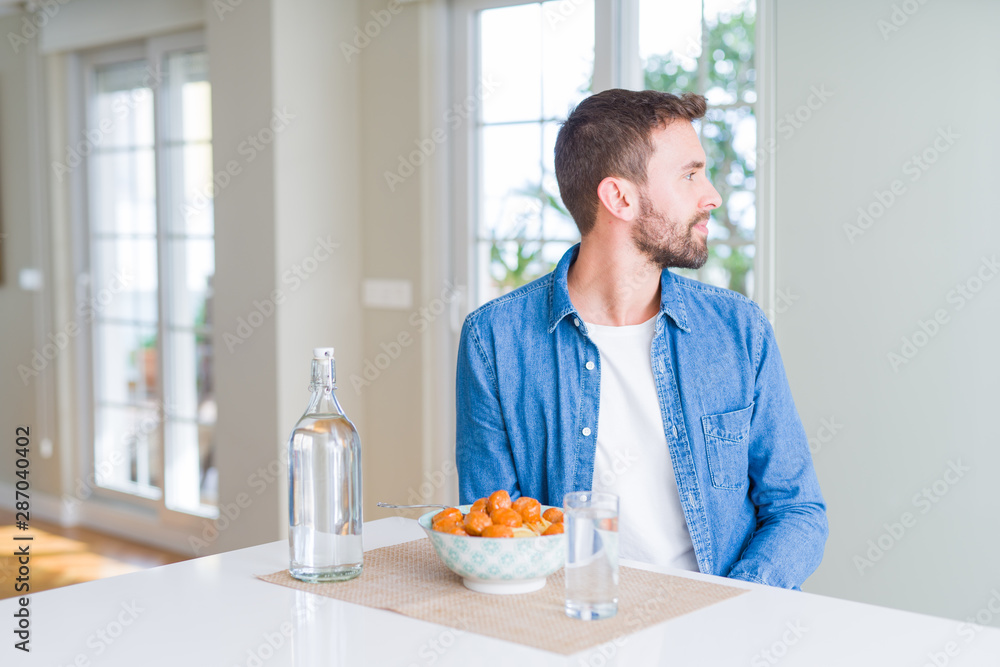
(409, 579)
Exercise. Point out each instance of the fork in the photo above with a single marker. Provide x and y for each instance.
(407, 507)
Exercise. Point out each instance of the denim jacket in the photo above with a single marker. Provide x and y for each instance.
(528, 395)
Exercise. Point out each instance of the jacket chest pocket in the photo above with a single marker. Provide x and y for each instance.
(727, 438)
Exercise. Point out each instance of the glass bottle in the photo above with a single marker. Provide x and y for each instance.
(324, 484)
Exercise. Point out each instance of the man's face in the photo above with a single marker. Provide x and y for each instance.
(675, 204)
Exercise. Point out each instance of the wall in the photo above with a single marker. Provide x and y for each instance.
(317, 203)
(408, 387)
(240, 51)
(18, 245)
(355, 112)
(275, 77)
(887, 428)
(288, 238)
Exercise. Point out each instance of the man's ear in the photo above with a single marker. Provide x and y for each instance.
(619, 197)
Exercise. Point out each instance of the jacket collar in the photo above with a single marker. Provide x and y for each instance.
(560, 306)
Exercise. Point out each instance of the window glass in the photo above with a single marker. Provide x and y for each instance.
(709, 49)
(523, 227)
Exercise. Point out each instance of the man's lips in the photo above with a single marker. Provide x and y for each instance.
(702, 227)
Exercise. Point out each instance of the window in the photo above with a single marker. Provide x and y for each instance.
(543, 58)
(147, 122)
(709, 49)
(523, 228)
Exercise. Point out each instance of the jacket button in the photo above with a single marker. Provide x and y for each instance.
(586, 430)
(576, 322)
(590, 365)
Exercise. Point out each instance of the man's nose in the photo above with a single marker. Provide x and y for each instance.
(712, 198)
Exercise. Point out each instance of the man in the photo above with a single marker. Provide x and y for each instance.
(612, 373)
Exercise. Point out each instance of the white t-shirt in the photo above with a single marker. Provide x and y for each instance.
(632, 458)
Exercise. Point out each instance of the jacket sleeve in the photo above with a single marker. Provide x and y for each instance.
(787, 544)
(482, 450)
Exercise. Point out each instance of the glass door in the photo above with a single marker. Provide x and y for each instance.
(151, 264)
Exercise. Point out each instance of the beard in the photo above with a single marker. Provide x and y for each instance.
(667, 243)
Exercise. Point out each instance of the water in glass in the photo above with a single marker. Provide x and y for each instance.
(591, 561)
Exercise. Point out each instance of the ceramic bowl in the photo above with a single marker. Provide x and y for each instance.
(497, 564)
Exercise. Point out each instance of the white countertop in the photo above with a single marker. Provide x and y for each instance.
(212, 611)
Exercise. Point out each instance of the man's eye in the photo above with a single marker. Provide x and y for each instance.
(690, 176)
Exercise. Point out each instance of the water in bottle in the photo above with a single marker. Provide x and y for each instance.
(324, 484)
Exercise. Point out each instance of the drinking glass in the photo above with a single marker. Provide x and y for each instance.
(591, 522)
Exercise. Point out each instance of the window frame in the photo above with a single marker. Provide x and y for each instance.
(613, 67)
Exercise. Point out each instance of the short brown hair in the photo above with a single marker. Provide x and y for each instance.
(608, 134)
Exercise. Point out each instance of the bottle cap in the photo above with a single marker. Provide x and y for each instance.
(322, 353)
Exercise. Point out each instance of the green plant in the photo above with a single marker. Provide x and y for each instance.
(511, 270)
